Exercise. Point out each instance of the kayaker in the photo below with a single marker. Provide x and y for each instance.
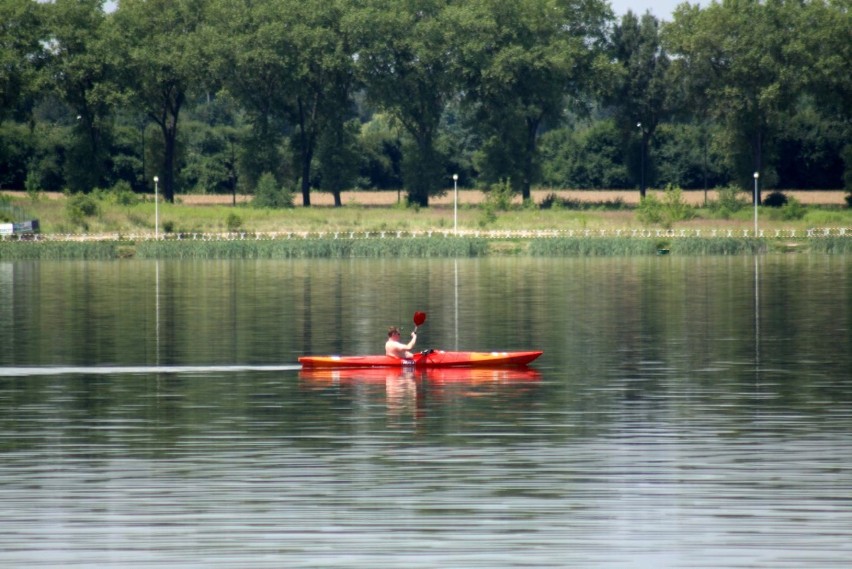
(395, 348)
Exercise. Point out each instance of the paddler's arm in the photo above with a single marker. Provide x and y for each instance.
(410, 344)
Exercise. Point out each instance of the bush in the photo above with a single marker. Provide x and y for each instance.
(269, 194)
(233, 222)
(670, 209)
(499, 196)
(775, 199)
(81, 206)
(122, 194)
(730, 200)
(793, 209)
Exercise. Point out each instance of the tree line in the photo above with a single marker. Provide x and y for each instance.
(213, 95)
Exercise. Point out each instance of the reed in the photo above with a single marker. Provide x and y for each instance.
(314, 248)
(592, 247)
(716, 246)
(626, 246)
(55, 250)
(832, 245)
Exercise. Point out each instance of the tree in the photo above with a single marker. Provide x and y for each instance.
(81, 69)
(753, 66)
(521, 62)
(163, 61)
(323, 82)
(822, 30)
(641, 90)
(21, 52)
(404, 58)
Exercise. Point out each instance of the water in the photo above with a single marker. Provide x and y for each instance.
(686, 413)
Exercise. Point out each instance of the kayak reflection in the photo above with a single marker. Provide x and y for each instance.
(410, 392)
(432, 375)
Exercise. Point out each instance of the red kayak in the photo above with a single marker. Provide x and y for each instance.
(425, 359)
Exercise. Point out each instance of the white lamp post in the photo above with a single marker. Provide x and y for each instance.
(156, 209)
(756, 176)
(642, 157)
(456, 204)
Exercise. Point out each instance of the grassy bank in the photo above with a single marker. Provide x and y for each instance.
(107, 226)
(378, 211)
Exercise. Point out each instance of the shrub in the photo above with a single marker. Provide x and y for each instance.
(233, 222)
(81, 206)
(499, 196)
(730, 200)
(5, 209)
(269, 194)
(775, 199)
(122, 194)
(670, 209)
(793, 209)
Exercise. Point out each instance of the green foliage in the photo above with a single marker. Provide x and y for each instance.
(775, 199)
(269, 194)
(790, 210)
(553, 201)
(81, 206)
(6, 212)
(591, 247)
(314, 248)
(672, 208)
(58, 250)
(584, 157)
(523, 89)
(233, 222)
(499, 196)
(729, 201)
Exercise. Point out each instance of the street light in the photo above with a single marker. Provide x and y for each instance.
(456, 204)
(642, 159)
(756, 176)
(156, 210)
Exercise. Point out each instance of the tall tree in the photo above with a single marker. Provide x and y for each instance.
(523, 64)
(822, 32)
(81, 66)
(405, 60)
(640, 94)
(323, 81)
(163, 59)
(21, 52)
(251, 52)
(753, 68)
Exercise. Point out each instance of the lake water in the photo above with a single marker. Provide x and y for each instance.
(687, 412)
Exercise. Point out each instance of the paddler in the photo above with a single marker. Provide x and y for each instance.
(395, 348)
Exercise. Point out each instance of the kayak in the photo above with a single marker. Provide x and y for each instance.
(440, 375)
(425, 359)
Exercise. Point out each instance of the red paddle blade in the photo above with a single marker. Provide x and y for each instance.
(419, 318)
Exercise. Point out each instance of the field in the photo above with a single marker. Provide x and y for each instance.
(475, 197)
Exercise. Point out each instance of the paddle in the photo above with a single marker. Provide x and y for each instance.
(419, 319)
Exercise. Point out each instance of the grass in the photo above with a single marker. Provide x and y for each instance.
(125, 230)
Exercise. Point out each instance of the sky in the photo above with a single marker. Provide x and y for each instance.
(662, 9)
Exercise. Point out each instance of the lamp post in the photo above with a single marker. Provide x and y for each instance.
(456, 204)
(756, 176)
(642, 158)
(156, 209)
